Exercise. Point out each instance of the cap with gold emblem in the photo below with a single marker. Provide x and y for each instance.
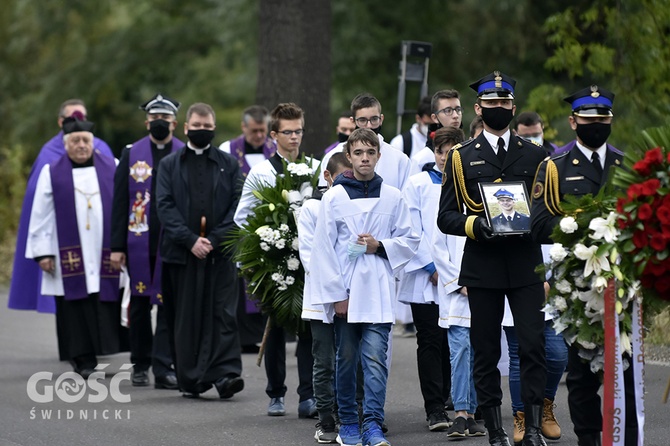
(496, 85)
(591, 102)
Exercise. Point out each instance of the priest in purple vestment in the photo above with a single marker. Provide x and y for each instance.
(135, 238)
(24, 292)
(69, 239)
(250, 148)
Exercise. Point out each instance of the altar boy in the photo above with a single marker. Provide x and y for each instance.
(363, 234)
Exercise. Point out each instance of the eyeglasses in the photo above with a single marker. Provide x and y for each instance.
(450, 111)
(364, 121)
(291, 132)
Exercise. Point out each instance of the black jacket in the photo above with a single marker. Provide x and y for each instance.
(509, 261)
(173, 202)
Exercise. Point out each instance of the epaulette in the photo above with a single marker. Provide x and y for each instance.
(559, 156)
(614, 149)
(462, 196)
(462, 144)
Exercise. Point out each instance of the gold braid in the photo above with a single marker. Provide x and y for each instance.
(552, 196)
(459, 178)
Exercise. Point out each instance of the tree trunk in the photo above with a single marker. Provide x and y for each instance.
(294, 64)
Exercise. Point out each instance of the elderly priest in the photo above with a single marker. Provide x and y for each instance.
(69, 236)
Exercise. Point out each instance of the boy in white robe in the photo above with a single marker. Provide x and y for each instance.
(419, 285)
(320, 317)
(363, 234)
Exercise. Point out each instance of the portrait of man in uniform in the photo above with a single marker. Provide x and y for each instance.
(506, 207)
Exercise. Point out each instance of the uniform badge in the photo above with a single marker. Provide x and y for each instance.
(575, 162)
(594, 91)
(477, 146)
(498, 79)
(574, 178)
(538, 190)
(477, 163)
(140, 171)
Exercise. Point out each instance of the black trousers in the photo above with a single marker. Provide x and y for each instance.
(275, 363)
(487, 307)
(584, 401)
(432, 356)
(146, 348)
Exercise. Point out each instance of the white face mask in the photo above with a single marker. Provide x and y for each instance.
(355, 250)
(536, 139)
(423, 129)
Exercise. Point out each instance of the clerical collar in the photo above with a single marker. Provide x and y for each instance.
(197, 150)
(87, 163)
(161, 146)
(249, 149)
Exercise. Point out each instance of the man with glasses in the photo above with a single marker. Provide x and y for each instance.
(496, 266)
(446, 112)
(394, 167)
(287, 128)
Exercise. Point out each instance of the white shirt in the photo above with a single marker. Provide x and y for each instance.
(493, 140)
(423, 157)
(447, 251)
(251, 158)
(263, 173)
(418, 140)
(588, 153)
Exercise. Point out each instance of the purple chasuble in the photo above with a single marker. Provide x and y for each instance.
(237, 149)
(24, 291)
(69, 243)
(141, 173)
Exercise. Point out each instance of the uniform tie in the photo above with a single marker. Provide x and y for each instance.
(595, 161)
(509, 218)
(501, 151)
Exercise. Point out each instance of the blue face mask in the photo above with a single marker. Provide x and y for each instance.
(354, 250)
(536, 139)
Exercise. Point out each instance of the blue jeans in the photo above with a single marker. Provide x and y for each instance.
(462, 361)
(367, 344)
(557, 359)
(323, 351)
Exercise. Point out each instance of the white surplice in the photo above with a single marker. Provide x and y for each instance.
(43, 235)
(368, 281)
(422, 197)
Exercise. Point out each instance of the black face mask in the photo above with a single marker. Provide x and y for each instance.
(595, 134)
(377, 130)
(342, 137)
(200, 138)
(159, 129)
(498, 118)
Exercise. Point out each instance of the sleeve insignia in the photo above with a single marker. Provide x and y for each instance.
(538, 190)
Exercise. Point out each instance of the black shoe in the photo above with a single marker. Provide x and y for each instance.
(229, 386)
(85, 373)
(533, 423)
(140, 378)
(438, 421)
(449, 404)
(168, 381)
(457, 430)
(190, 395)
(493, 419)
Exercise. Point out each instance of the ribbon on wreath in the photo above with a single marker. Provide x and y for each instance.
(614, 399)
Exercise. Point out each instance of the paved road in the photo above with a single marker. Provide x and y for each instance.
(162, 417)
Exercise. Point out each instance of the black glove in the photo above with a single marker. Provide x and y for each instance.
(482, 230)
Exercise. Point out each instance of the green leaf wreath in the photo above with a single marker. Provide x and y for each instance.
(266, 246)
(613, 235)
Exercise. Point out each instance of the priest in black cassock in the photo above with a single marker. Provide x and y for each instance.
(197, 193)
(69, 237)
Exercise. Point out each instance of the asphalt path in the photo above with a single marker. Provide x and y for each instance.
(102, 415)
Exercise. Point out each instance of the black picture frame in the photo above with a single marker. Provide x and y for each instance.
(497, 195)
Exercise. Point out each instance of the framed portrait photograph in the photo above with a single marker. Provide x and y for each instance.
(507, 207)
